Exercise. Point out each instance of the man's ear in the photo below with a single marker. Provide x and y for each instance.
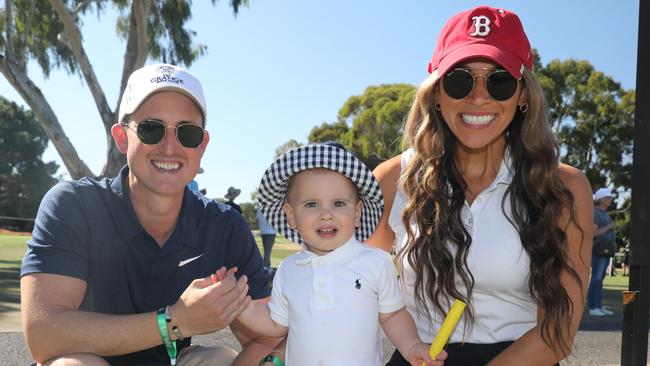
(204, 143)
(288, 210)
(119, 136)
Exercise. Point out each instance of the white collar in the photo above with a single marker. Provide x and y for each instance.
(343, 254)
(505, 173)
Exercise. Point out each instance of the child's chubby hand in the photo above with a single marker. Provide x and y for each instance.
(222, 273)
(419, 355)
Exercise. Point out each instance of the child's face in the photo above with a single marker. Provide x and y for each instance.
(324, 207)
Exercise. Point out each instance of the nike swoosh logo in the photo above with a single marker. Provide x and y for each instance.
(188, 260)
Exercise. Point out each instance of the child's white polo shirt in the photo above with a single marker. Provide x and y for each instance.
(331, 304)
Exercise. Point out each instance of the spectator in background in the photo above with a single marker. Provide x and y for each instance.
(268, 238)
(603, 248)
(230, 198)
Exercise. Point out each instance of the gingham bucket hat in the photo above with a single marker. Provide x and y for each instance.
(273, 187)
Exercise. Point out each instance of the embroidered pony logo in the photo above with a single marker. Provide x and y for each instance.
(357, 284)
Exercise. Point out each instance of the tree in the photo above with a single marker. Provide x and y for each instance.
(593, 118)
(49, 33)
(328, 132)
(291, 144)
(24, 177)
(248, 211)
(376, 118)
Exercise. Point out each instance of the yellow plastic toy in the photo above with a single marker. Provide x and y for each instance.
(446, 328)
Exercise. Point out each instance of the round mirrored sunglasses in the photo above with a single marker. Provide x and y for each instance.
(152, 131)
(500, 84)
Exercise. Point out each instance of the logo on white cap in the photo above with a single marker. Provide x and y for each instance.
(481, 26)
(166, 69)
(167, 76)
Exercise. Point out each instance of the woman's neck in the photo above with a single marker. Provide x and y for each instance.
(474, 159)
(479, 168)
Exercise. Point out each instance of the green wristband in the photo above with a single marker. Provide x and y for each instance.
(272, 359)
(164, 334)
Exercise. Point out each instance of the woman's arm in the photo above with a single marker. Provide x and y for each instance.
(387, 173)
(530, 347)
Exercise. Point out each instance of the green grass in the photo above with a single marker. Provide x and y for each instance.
(616, 282)
(12, 250)
(282, 248)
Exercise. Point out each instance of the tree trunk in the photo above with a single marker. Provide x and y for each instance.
(33, 96)
(135, 56)
(114, 159)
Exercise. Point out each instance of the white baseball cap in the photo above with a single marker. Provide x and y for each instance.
(155, 78)
(602, 193)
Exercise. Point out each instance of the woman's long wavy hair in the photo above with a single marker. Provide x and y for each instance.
(435, 187)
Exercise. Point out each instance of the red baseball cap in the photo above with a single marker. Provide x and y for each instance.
(496, 34)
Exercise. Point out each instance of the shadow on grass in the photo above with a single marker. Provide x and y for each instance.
(9, 285)
(612, 300)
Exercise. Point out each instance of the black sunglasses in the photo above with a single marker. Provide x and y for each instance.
(151, 132)
(500, 84)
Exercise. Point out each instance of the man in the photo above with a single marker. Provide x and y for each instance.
(230, 198)
(603, 248)
(117, 265)
(267, 232)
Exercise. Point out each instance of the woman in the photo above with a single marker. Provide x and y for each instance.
(479, 208)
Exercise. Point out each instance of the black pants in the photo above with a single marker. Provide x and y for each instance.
(462, 354)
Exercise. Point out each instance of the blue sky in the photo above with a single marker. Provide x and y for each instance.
(282, 67)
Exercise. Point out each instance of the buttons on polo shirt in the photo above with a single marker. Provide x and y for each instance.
(322, 284)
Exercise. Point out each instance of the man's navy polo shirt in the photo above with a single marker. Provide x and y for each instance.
(88, 229)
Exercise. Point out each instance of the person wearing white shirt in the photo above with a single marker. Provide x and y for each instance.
(267, 232)
(479, 208)
(330, 298)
